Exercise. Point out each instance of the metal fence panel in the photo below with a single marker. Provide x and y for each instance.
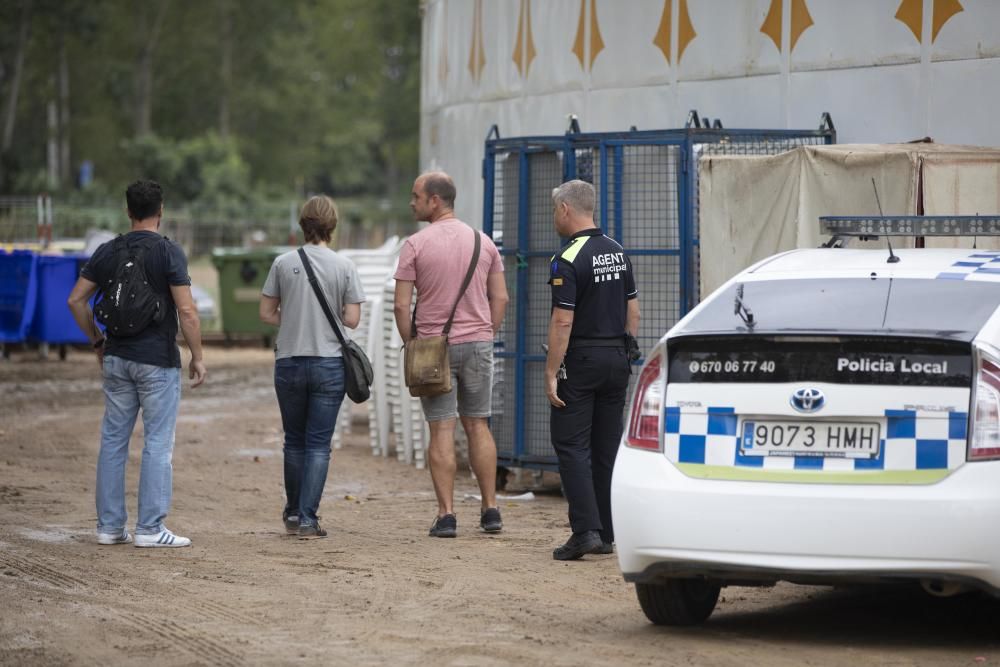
(647, 200)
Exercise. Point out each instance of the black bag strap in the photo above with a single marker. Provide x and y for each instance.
(140, 247)
(121, 247)
(461, 291)
(144, 244)
(322, 299)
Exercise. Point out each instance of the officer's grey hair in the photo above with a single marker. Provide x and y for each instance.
(579, 195)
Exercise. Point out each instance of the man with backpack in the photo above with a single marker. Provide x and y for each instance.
(143, 290)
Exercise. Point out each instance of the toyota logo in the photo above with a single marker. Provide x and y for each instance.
(808, 399)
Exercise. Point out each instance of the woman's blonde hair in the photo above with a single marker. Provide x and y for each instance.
(318, 219)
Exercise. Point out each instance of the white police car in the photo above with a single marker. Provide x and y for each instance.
(827, 416)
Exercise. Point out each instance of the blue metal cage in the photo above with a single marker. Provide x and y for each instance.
(647, 200)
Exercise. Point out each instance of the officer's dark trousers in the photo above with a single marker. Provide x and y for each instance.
(586, 433)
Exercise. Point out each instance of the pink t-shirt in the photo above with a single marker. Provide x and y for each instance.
(436, 259)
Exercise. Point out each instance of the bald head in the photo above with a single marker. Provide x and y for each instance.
(440, 184)
(433, 197)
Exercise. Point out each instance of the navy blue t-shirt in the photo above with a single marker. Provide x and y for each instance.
(166, 265)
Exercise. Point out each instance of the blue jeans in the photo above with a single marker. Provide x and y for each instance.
(128, 386)
(310, 391)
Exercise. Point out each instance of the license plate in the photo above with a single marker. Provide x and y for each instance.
(852, 440)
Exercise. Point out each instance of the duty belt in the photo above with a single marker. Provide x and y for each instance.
(596, 342)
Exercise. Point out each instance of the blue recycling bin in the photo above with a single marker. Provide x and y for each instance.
(18, 294)
(53, 322)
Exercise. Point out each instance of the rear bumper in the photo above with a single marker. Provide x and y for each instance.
(670, 525)
(730, 575)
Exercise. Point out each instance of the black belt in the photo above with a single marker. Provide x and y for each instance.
(596, 342)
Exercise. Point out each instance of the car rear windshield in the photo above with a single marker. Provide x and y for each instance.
(952, 309)
(866, 360)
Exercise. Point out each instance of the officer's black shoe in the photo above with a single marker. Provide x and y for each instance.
(577, 545)
(605, 548)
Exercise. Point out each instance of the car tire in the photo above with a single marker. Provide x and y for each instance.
(678, 601)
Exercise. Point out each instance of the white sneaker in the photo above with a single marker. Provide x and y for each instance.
(164, 538)
(108, 538)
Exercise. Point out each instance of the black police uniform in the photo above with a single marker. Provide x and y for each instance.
(591, 276)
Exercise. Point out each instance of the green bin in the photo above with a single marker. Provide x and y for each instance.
(242, 273)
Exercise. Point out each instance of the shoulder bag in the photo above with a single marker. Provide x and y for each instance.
(358, 374)
(426, 364)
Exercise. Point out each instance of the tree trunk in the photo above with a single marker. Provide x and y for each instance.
(65, 166)
(52, 145)
(15, 86)
(149, 35)
(392, 172)
(226, 65)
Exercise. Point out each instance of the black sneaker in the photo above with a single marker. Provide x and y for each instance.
(311, 532)
(605, 548)
(490, 521)
(578, 544)
(291, 523)
(444, 526)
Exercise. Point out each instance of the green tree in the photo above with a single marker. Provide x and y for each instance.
(230, 98)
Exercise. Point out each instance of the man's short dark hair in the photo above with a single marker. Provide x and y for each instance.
(144, 199)
(441, 185)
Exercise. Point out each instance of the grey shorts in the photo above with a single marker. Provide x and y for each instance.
(471, 392)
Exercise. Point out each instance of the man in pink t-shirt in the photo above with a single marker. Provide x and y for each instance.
(435, 260)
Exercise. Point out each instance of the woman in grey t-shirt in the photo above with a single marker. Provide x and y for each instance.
(309, 367)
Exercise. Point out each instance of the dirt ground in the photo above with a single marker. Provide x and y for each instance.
(378, 590)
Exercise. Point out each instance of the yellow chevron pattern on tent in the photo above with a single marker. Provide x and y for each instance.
(596, 43)
(801, 19)
(477, 54)
(685, 30)
(911, 14)
(524, 47)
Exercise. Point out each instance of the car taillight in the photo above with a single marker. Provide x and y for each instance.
(647, 406)
(985, 441)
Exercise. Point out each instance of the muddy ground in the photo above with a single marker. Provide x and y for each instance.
(378, 590)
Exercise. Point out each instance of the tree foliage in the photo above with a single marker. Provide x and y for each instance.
(221, 99)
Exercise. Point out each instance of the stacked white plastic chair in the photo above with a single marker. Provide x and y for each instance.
(402, 410)
(373, 266)
(392, 412)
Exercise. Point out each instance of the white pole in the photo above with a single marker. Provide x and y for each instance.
(53, 146)
(48, 221)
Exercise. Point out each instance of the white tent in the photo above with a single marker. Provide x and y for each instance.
(886, 70)
(753, 207)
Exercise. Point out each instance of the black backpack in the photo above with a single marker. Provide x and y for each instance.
(128, 304)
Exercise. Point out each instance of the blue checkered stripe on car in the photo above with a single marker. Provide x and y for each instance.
(980, 265)
(909, 441)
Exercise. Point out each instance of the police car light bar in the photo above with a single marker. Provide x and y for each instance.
(910, 225)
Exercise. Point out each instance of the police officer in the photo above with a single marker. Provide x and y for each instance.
(587, 368)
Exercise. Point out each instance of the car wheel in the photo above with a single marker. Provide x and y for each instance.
(678, 601)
